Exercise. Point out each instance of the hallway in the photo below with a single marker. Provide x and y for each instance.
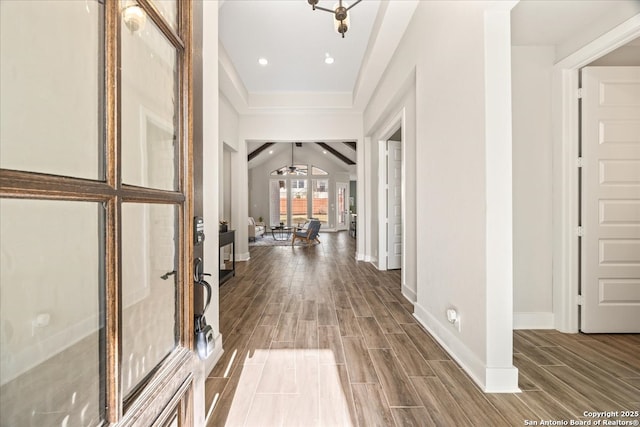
(312, 337)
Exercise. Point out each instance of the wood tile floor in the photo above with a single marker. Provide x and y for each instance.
(314, 338)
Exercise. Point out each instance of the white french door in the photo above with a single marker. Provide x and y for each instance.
(342, 205)
(394, 205)
(610, 246)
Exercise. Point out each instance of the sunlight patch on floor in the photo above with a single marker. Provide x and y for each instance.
(289, 387)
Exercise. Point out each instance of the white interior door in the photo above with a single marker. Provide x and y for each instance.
(394, 205)
(610, 249)
(342, 205)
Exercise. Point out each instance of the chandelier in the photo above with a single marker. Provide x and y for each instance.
(340, 13)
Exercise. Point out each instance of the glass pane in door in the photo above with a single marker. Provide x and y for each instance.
(51, 81)
(342, 208)
(299, 210)
(51, 315)
(277, 202)
(150, 151)
(149, 285)
(320, 202)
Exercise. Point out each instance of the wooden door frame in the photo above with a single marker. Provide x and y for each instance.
(169, 387)
(565, 79)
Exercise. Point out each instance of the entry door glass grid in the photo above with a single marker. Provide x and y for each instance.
(74, 238)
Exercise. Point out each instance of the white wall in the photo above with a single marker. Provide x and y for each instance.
(532, 186)
(211, 148)
(228, 140)
(445, 45)
(229, 123)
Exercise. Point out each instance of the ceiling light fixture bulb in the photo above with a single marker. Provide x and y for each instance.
(328, 59)
(341, 22)
(263, 61)
(340, 13)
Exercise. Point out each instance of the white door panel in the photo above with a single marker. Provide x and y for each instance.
(394, 205)
(342, 205)
(610, 247)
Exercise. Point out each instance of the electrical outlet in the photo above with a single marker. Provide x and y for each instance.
(454, 318)
(40, 321)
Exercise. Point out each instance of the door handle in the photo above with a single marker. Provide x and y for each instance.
(198, 278)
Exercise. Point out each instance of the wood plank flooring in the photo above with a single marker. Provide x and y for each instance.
(314, 338)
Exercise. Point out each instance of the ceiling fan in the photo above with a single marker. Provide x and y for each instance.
(293, 170)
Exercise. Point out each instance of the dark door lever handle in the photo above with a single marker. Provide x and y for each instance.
(207, 287)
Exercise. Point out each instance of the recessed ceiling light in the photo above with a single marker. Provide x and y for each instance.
(324, 151)
(270, 151)
(263, 61)
(328, 59)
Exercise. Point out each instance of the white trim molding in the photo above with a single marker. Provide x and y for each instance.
(525, 320)
(565, 178)
(409, 294)
(489, 379)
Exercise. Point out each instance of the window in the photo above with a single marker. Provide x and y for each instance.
(278, 202)
(317, 171)
(286, 170)
(320, 201)
(298, 201)
(289, 200)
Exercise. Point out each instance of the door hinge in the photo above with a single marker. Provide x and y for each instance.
(579, 162)
(580, 231)
(580, 300)
(579, 93)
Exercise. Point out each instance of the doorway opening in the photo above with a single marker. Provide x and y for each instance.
(566, 270)
(394, 201)
(609, 200)
(391, 201)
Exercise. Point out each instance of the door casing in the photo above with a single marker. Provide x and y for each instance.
(397, 121)
(565, 109)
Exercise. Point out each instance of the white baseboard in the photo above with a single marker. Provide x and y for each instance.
(359, 256)
(243, 257)
(533, 320)
(490, 380)
(409, 294)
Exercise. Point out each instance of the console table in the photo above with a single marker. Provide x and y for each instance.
(227, 238)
